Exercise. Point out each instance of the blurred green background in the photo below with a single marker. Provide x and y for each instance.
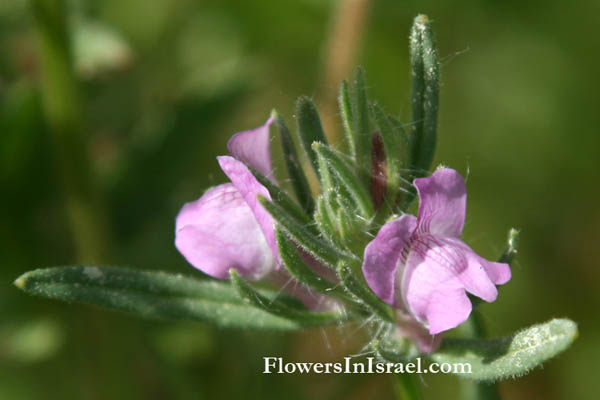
(163, 85)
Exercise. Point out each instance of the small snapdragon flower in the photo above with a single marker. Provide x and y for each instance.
(227, 227)
(419, 264)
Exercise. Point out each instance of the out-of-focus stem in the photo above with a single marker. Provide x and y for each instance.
(347, 30)
(64, 117)
(472, 390)
(407, 387)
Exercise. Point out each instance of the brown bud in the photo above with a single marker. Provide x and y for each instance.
(378, 170)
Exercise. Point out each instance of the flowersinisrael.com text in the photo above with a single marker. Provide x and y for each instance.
(276, 365)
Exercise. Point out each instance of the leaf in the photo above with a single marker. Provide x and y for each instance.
(424, 94)
(313, 245)
(510, 356)
(512, 246)
(284, 201)
(295, 171)
(347, 178)
(328, 189)
(362, 133)
(346, 114)
(394, 348)
(309, 128)
(302, 272)
(395, 145)
(152, 294)
(362, 293)
(275, 307)
(322, 217)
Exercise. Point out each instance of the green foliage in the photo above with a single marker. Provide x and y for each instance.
(396, 157)
(292, 162)
(357, 288)
(344, 172)
(345, 107)
(309, 128)
(424, 94)
(302, 236)
(149, 294)
(510, 356)
(361, 127)
(300, 271)
(276, 307)
(490, 359)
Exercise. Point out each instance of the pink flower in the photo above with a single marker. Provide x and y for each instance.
(227, 227)
(421, 266)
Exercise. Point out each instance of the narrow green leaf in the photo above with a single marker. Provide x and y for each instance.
(331, 188)
(510, 356)
(394, 347)
(328, 187)
(152, 294)
(309, 127)
(362, 293)
(424, 94)
(347, 231)
(312, 244)
(353, 230)
(295, 171)
(302, 272)
(305, 318)
(347, 177)
(346, 114)
(512, 246)
(361, 128)
(395, 145)
(326, 226)
(285, 202)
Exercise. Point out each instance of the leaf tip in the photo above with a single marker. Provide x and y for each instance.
(21, 281)
(569, 328)
(421, 19)
(233, 274)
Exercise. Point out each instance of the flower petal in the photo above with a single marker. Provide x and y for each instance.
(439, 270)
(433, 294)
(250, 188)
(442, 203)
(253, 148)
(219, 231)
(382, 256)
(497, 273)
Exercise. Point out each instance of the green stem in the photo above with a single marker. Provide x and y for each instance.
(469, 389)
(407, 387)
(473, 390)
(64, 117)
